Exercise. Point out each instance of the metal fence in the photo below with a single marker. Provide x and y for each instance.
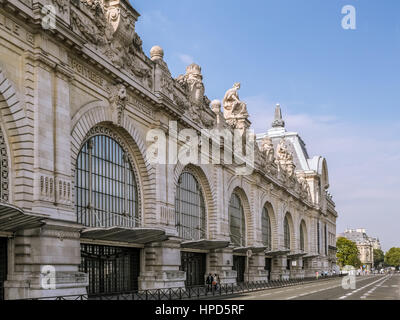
(192, 293)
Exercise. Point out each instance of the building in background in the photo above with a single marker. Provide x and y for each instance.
(78, 190)
(365, 245)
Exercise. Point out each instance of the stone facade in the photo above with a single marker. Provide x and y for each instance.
(365, 245)
(89, 76)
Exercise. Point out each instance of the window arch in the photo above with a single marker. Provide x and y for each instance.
(3, 169)
(106, 185)
(190, 210)
(286, 233)
(237, 221)
(302, 241)
(266, 229)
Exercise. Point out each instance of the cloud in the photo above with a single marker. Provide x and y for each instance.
(186, 59)
(362, 163)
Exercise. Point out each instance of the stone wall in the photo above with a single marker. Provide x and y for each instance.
(56, 86)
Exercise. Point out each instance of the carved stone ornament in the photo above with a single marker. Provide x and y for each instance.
(235, 111)
(284, 160)
(305, 191)
(110, 27)
(62, 5)
(268, 149)
(118, 101)
(192, 84)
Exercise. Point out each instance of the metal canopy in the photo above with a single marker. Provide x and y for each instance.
(131, 235)
(279, 252)
(297, 254)
(245, 249)
(204, 244)
(13, 219)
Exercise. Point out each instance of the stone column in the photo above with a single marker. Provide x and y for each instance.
(221, 262)
(296, 271)
(55, 247)
(279, 270)
(62, 145)
(52, 134)
(257, 270)
(160, 265)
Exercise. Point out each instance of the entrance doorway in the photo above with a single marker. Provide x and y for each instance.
(3, 265)
(289, 264)
(239, 265)
(194, 264)
(110, 269)
(268, 264)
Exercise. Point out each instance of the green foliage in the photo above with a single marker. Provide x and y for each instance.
(379, 257)
(347, 253)
(392, 257)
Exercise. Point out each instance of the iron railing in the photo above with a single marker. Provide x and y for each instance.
(193, 293)
(100, 219)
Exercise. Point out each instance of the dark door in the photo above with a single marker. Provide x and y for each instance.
(268, 264)
(289, 264)
(110, 269)
(3, 265)
(194, 264)
(239, 265)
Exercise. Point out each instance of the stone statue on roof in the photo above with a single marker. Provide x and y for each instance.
(233, 107)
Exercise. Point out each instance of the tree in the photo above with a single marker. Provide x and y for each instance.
(392, 257)
(379, 257)
(347, 253)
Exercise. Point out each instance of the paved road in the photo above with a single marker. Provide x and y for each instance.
(375, 287)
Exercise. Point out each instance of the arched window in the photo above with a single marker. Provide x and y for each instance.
(237, 221)
(266, 229)
(3, 169)
(106, 187)
(190, 210)
(286, 233)
(302, 244)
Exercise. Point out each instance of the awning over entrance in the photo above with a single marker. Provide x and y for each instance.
(205, 244)
(294, 255)
(275, 253)
(245, 249)
(13, 219)
(131, 235)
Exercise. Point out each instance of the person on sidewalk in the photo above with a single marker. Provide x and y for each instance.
(209, 282)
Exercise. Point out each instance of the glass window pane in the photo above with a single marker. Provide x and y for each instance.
(190, 211)
(101, 172)
(237, 221)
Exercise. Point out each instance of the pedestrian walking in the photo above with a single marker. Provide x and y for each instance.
(215, 281)
(209, 282)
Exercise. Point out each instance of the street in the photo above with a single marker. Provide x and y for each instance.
(374, 287)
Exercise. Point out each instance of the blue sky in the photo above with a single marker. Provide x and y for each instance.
(340, 89)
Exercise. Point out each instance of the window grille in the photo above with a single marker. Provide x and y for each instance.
(106, 187)
(286, 233)
(190, 210)
(266, 229)
(237, 221)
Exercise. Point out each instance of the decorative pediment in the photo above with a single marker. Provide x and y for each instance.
(109, 27)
